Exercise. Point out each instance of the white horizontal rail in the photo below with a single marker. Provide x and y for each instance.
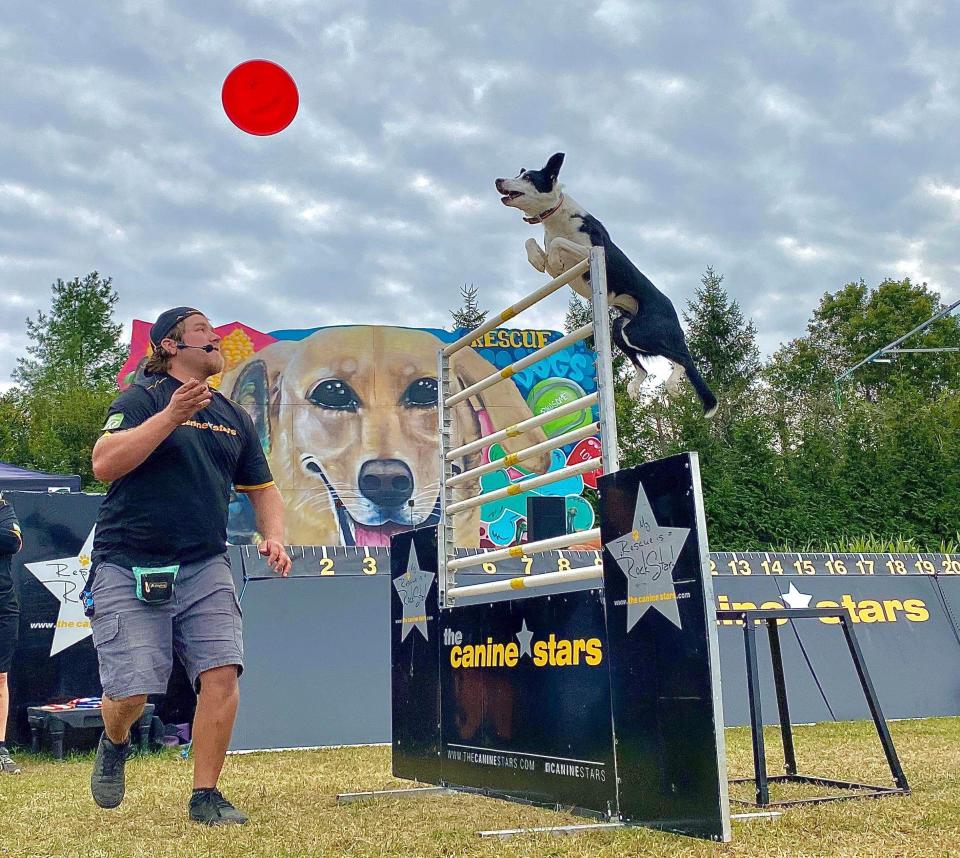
(522, 364)
(526, 485)
(544, 579)
(519, 307)
(527, 453)
(527, 548)
(580, 404)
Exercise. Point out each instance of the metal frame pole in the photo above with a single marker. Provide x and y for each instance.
(786, 728)
(604, 366)
(445, 525)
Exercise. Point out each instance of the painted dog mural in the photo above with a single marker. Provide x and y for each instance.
(348, 418)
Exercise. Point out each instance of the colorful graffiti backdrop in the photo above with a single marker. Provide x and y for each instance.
(556, 380)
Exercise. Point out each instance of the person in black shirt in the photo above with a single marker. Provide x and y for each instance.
(171, 449)
(10, 544)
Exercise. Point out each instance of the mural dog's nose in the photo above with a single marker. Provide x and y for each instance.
(386, 482)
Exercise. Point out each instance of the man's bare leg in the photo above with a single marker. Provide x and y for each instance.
(4, 707)
(120, 715)
(213, 723)
(107, 783)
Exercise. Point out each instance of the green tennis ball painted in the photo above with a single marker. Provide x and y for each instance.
(552, 393)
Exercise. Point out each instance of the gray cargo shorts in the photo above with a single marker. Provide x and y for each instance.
(136, 642)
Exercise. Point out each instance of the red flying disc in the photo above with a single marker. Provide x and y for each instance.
(260, 97)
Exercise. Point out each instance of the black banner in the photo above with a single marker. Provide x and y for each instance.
(414, 653)
(55, 659)
(526, 701)
(664, 662)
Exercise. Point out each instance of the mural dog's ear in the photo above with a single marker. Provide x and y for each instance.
(251, 391)
(502, 403)
(255, 386)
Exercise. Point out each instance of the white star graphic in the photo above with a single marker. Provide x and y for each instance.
(412, 588)
(795, 599)
(524, 636)
(646, 555)
(65, 577)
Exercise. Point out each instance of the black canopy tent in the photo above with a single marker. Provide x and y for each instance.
(13, 478)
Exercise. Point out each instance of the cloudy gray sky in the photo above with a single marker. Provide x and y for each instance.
(794, 146)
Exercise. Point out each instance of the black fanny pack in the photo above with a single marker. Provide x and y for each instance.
(155, 586)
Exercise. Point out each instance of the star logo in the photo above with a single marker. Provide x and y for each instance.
(795, 599)
(646, 555)
(525, 637)
(64, 577)
(412, 588)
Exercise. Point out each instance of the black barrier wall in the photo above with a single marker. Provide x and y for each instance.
(907, 607)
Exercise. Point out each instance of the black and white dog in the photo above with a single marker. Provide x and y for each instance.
(648, 324)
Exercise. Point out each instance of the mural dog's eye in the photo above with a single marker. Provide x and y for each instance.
(421, 393)
(334, 393)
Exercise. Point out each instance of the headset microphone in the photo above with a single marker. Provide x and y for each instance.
(207, 348)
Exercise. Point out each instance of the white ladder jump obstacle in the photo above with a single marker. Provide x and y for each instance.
(599, 696)
(603, 398)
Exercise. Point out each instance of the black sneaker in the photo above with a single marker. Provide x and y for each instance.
(7, 765)
(107, 781)
(211, 808)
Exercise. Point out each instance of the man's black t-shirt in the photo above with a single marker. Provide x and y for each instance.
(10, 543)
(172, 508)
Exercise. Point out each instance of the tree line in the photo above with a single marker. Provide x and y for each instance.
(789, 462)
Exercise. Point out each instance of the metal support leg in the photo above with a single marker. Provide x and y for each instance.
(756, 715)
(786, 730)
(886, 740)
(56, 730)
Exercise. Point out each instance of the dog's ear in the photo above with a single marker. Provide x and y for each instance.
(255, 386)
(502, 403)
(553, 166)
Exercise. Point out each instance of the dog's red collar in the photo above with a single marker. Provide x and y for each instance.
(540, 218)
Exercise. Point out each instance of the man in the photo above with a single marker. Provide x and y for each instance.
(10, 544)
(171, 448)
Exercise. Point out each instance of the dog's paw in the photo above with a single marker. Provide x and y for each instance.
(634, 385)
(672, 385)
(535, 255)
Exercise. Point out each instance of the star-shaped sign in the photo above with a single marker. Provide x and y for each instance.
(795, 599)
(646, 555)
(412, 588)
(65, 577)
(525, 636)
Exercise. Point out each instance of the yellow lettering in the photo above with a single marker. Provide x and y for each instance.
(456, 654)
(870, 611)
(890, 607)
(511, 655)
(847, 602)
(564, 654)
(776, 606)
(826, 603)
(916, 610)
(540, 653)
(594, 652)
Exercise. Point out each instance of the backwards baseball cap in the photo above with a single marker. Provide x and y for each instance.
(167, 321)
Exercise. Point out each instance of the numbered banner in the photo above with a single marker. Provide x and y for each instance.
(770, 563)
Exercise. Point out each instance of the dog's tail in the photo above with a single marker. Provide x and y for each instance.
(703, 391)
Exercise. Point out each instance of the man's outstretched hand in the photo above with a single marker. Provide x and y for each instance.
(277, 558)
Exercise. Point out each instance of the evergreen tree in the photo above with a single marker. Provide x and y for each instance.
(66, 382)
(469, 315)
(579, 313)
(721, 341)
(77, 344)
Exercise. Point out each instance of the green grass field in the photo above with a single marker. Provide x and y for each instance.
(290, 798)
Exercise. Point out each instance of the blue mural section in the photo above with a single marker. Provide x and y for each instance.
(547, 384)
